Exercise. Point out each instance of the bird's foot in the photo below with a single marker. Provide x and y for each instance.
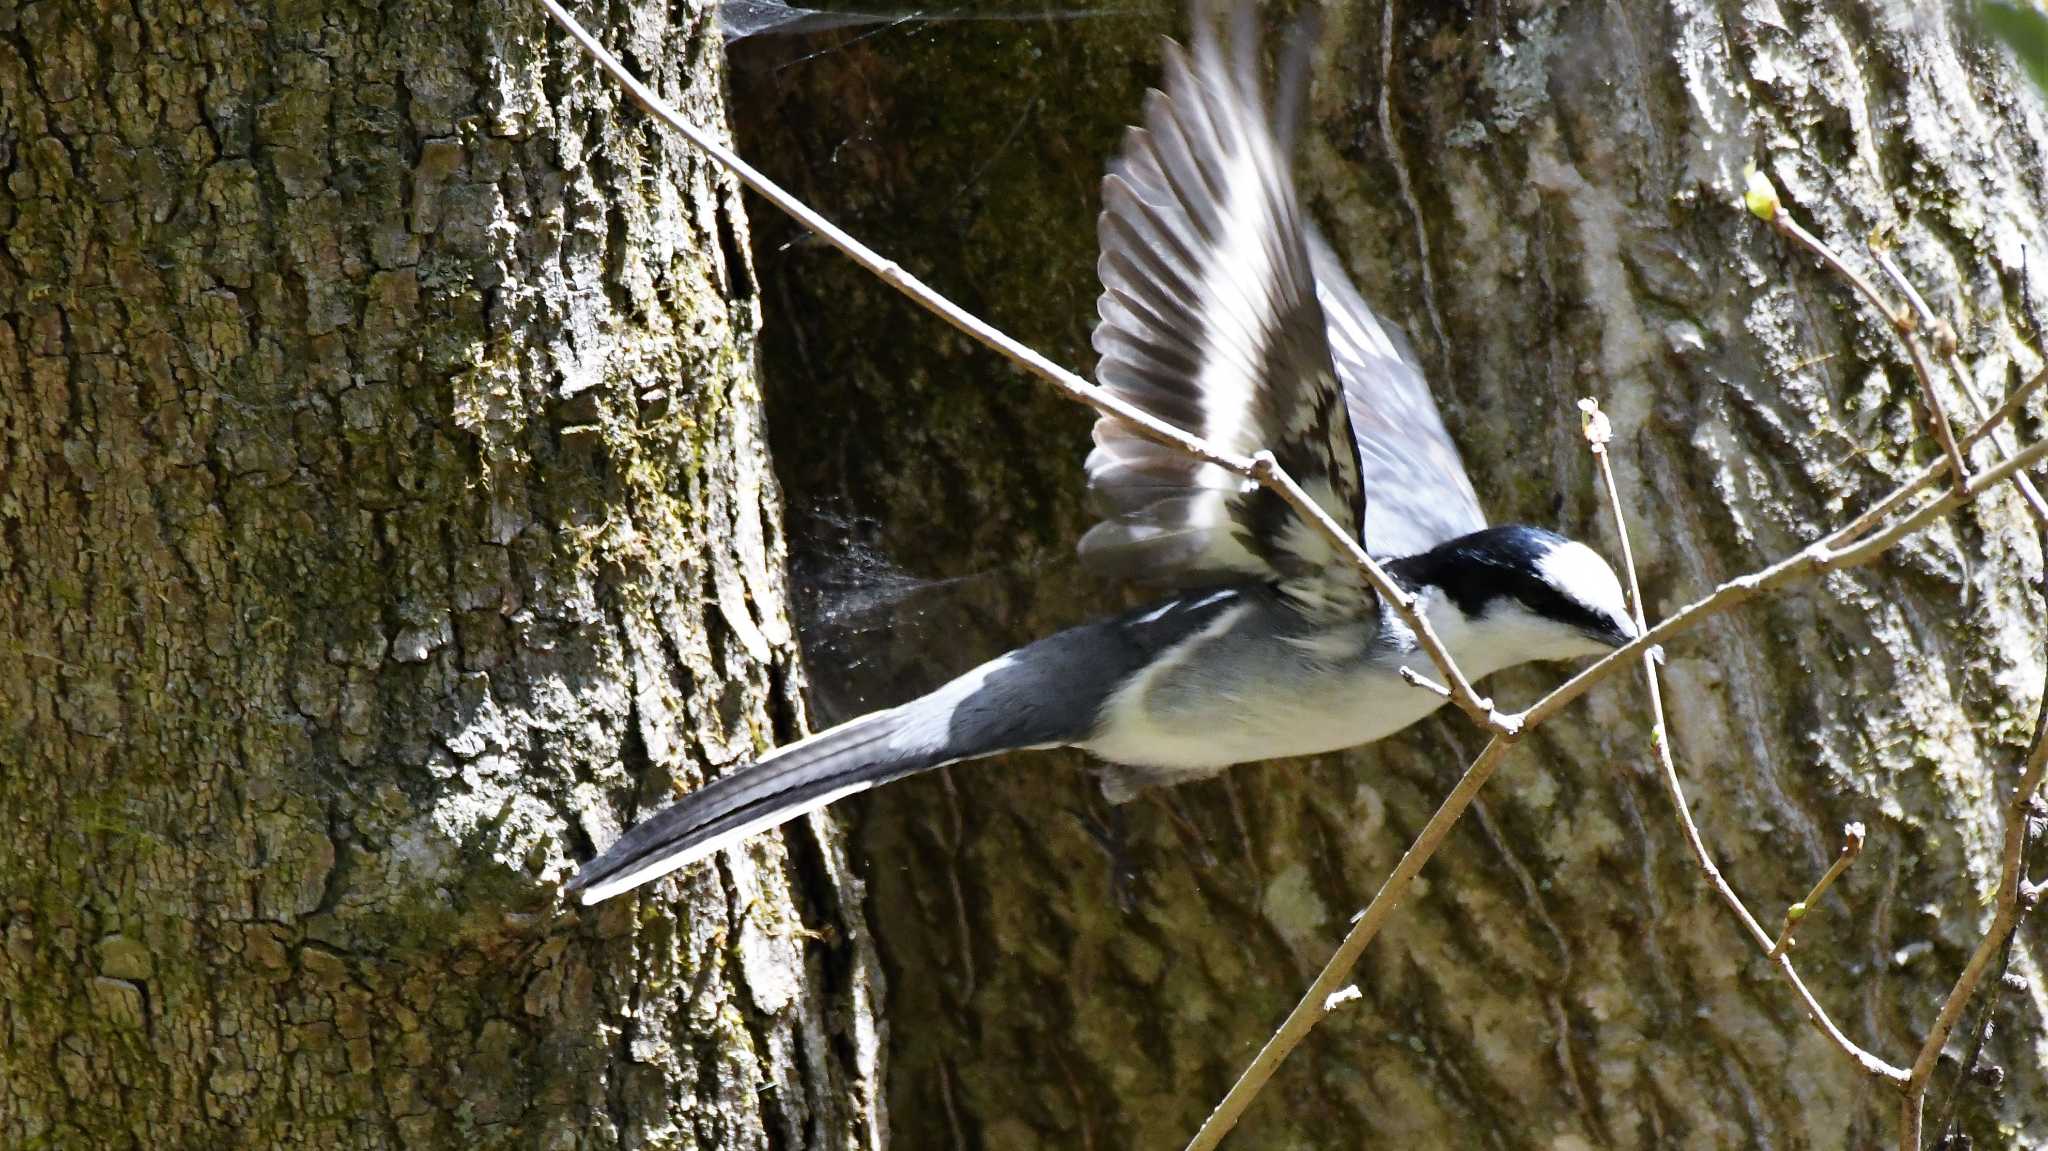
(1110, 836)
(1191, 837)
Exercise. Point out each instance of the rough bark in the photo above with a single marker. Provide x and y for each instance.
(1546, 205)
(385, 518)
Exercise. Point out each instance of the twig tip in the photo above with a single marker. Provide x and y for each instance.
(1594, 425)
(1759, 195)
(1424, 682)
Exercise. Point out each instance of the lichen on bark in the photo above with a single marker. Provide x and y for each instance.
(385, 520)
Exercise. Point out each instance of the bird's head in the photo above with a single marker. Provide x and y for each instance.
(1507, 595)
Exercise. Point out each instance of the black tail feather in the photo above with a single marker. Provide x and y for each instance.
(792, 781)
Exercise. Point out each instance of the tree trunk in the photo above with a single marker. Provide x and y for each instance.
(1545, 198)
(386, 521)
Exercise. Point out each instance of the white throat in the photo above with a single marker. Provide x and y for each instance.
(1505, 636)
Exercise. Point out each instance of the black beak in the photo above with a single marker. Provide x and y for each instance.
(1620, 631)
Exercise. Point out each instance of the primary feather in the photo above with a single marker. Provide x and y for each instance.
(1210, 319)
(1223, 311)
(1421, 495)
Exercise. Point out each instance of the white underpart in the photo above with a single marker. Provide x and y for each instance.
(1317, 709)
(1133, 731)
(1306, 706)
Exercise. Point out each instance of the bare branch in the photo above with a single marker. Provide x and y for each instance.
(1945, 340)
(1424, 682)
(2007, 407)
(2013, 891)
(1260, 467)
(1985, 1010)
(1314, 1003)
(2009, 904)
(1762, 200)
(1660, 743)
(1852, 846)
(1912, 487)
(1816, 559)
(1944, 332)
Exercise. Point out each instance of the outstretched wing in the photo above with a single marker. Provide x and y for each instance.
(1209, 318)
(1421, 496)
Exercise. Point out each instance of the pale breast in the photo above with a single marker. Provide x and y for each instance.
(1234, 695)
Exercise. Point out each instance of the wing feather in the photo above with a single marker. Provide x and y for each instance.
(1210, 318)
(1421, 494)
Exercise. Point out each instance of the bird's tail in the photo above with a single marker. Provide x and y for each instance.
(1045, 694)
(792, 781)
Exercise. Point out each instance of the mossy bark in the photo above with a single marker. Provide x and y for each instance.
(386, 518)
(1544, 197)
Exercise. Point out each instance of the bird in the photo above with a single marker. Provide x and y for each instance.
(1225, 312)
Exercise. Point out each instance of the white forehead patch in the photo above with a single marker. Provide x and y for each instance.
(1579, 572)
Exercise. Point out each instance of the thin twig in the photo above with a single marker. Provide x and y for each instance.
(1925, 317)
(1812, 561)
(1597, 435)
(1763, 202)
(1816, 559)
(2012, 862)
(1845, 548)
(1902, 326)
(1985, 1011)
(1927, 475)
(2008, 407)
(1424, 682)
(1314, 1002)
(1852, 846)
(2010, 880)
(1945, 341)
(2012, 887)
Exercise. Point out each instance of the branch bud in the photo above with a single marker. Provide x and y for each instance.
(1945, 341)
(1759, 195)
(1593, 424)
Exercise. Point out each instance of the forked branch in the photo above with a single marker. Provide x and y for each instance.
(1762, 200)
(2012, 892)
(1667, 767)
